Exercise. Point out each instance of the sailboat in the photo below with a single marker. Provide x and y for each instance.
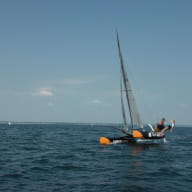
(9, 123)
(136, 131)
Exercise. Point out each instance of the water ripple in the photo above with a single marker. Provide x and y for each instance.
(68, 157)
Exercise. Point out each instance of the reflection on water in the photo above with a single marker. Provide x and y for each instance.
(137, 169)
(138, 148)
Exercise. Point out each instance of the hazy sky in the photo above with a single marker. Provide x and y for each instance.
(59, 59)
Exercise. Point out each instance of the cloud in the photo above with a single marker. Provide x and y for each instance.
(47, 92)
(97, 102)
(183, 106)
(74, 82)
(51, 104)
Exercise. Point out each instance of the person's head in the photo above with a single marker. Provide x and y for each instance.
(163, 119)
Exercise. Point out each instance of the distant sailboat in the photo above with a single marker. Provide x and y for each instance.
(136, 131)
(9, 123)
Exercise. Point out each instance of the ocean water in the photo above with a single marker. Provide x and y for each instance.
(69, 158)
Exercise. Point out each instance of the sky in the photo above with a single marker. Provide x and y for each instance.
(59, 59)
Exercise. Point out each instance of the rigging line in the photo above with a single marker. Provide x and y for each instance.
(122, 130)
(123, 109)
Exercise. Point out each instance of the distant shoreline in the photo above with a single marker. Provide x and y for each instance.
(74, 123)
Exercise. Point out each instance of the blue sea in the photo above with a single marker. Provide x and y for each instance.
(68, 157)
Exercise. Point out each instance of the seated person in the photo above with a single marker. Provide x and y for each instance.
(160, 127)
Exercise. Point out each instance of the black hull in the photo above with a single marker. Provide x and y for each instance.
(124, 139)
(131, 140)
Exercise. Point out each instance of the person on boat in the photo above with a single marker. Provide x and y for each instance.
(160, 127)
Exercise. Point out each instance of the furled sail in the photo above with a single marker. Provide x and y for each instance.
(134, 114)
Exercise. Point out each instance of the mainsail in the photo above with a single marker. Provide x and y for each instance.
(133, 112)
